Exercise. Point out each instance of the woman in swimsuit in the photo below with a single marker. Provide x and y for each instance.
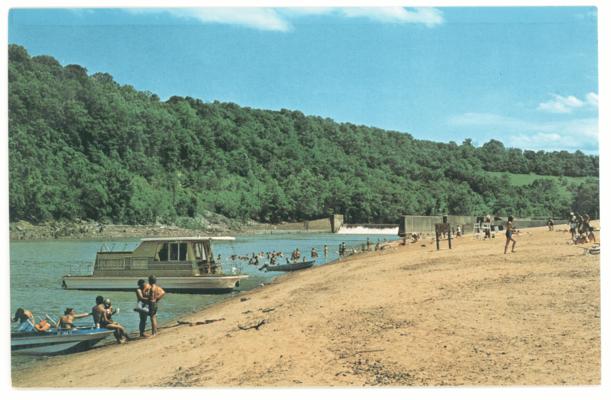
(509, 235)
(67, 321)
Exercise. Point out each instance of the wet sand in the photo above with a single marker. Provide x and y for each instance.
(406, 316)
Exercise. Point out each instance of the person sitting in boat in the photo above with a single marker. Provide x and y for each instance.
(107, 322)
(26, 320)
(296, 255)
(66, 322)
(97, 311)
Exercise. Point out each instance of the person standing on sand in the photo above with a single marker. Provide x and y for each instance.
(509, 235)
(142, 306)
(153, 293)
(550, 224)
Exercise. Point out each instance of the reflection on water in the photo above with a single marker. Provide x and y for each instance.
(38, 266)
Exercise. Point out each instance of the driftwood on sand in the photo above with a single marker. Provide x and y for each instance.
(250, 325)
(204, 322)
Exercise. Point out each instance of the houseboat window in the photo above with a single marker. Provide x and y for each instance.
(178, 251)
(173, 251)
(162, 255)
(199, 251)
(182, 253)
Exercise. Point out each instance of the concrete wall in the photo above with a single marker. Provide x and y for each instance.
(426, 224)
(337, 220)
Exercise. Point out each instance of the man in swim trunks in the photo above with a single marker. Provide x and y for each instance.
(509, 235)
(154, 293)
(97, 311)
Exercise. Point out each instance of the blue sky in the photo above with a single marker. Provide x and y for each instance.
(525, 76)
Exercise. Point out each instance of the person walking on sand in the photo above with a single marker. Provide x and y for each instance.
(509, 235)
(154, 293)
(142, 307)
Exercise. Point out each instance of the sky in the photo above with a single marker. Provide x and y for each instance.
(525, 76)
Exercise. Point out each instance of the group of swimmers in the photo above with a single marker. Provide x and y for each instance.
(148, 297)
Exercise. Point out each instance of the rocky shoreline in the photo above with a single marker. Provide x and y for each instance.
(212, 224)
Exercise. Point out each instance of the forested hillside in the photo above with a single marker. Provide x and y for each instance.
(86, 147)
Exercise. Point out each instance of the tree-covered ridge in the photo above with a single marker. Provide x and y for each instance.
(86, 147)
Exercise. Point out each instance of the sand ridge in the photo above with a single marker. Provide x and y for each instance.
(405, 316)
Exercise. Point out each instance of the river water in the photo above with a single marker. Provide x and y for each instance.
(37, 268)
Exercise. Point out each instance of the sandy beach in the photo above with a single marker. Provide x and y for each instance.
(406, 316)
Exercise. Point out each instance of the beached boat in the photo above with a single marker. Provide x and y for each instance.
(289, 267)
(181, 264)
(57, 342)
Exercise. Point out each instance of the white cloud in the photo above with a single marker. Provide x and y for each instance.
(560, 104)
(572, 134)
(427, 16)
(258, 18)
(279, 19)
(592, 99)
(567, 104)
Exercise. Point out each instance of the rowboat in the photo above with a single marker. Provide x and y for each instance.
(57, 342)
(289, 267)
(181, 264)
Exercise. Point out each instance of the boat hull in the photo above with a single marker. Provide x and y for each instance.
(53, 343)
(185, 284)
(290, 267)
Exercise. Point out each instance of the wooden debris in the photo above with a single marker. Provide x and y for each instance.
(255, 324)
(268, 309)
(244, 298)
(205, 322)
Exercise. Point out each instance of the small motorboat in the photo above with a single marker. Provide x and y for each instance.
(57, 342)
(288, 267)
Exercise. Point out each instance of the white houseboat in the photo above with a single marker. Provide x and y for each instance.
(181, 264)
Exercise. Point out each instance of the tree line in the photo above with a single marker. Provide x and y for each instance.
(84, 146)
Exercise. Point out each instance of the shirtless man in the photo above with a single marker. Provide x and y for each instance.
(154, 293)
(97, 311)
(66, 322)
(509, 235)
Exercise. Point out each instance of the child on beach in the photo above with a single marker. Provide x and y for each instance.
(509, 235)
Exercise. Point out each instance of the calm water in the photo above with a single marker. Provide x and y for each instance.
(38, 266)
